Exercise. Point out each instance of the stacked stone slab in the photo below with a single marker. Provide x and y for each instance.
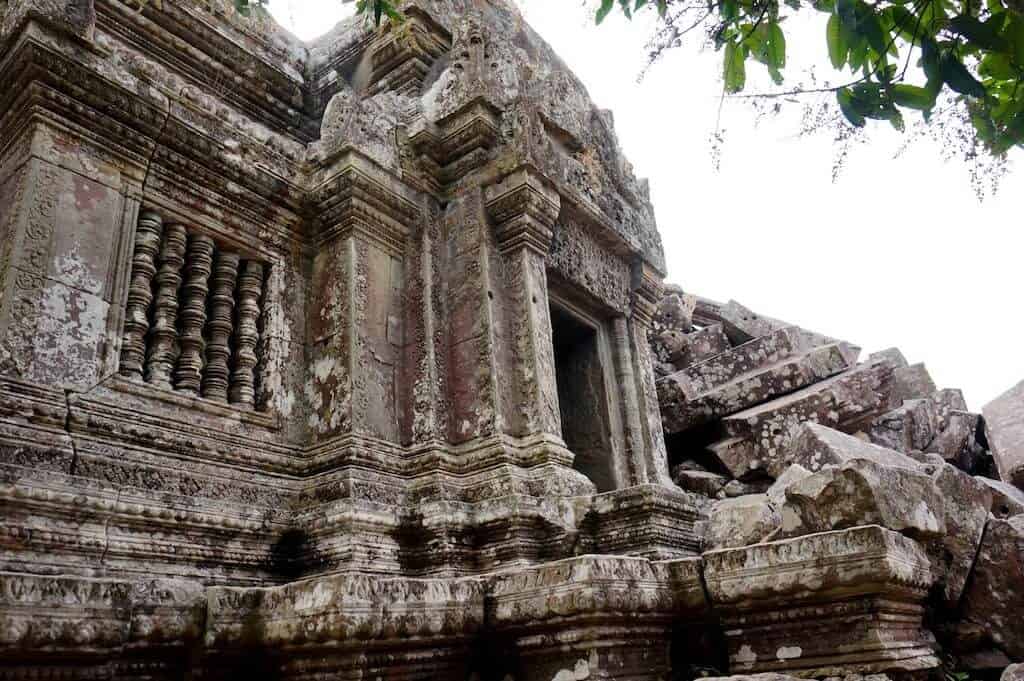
(735, 409)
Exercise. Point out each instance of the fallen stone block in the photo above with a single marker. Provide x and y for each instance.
(1004, 427)
(955, 442)
(826, 604)
(675, 311)
(965, 507)
(699, 346)
(994, 599)
(758, 438)
(912, 383)
(947, 401)
(683, 409)
(700, 482)
(743, 324)
(791, 476)
(864, 492)
(1007, 500)
(909, 427)
(740, 522)
(816, 446)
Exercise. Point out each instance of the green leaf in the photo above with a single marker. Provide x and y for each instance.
(735, 71)
(845, 99)
(837, 47)
(956, 75)
(913, 97)
(985, 35)
(603, 10)
(776, 46)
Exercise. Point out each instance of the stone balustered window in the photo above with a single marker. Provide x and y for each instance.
(193, 313)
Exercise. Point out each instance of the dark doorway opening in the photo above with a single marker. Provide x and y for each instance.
(582, 397)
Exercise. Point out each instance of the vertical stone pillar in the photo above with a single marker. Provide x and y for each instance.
(164, 342)
(188, 375)
(250, 287)
(524, 208)
(220, 326)
(647, 291)
(140, 294)
(625, 378)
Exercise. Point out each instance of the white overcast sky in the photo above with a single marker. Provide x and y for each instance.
(897, 252)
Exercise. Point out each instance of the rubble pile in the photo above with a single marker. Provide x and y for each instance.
(790, 436)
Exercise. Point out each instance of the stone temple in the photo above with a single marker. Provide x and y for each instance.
(353, 360)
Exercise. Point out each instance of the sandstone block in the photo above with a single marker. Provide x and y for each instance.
(741, 521)
(759, 437)
(863, 492)
(1007, 500)
(965, 507)
(826, 604)
(1004, 426)
(994, 598)
(906, 428)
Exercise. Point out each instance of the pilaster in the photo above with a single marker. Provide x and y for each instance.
(524, 208)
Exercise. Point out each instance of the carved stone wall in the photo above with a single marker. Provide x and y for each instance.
(276, 352)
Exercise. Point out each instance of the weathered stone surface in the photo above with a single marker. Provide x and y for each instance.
(758, 438)
(1007, 500)
(1004, 426)
(864, 492)
(685, 406)
(910, 427)
(965, 508)
(741, 521)
(994, 598)
(806, 583)
(700, 482)
(817, 446)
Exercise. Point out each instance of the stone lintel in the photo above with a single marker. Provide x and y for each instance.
(524, 207)
(824, 604)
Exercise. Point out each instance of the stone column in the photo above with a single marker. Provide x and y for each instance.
(524, 208)
(220, 326)
(164, 342)
(198, 261)
(647, 291)
(250, 287)
(140, 294)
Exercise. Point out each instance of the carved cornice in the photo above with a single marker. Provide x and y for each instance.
(403, 53)
(457, 144)
(524, 207)
(647, 292)
(870, 559)
(203, 46)
(347, 610)
(360, 197)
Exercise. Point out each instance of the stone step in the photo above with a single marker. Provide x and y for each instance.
(758, 385)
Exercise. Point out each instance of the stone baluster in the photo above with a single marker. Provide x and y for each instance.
(163, 343)
(220, 326)
(140, 294)
(250, 287)
(198, 263)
